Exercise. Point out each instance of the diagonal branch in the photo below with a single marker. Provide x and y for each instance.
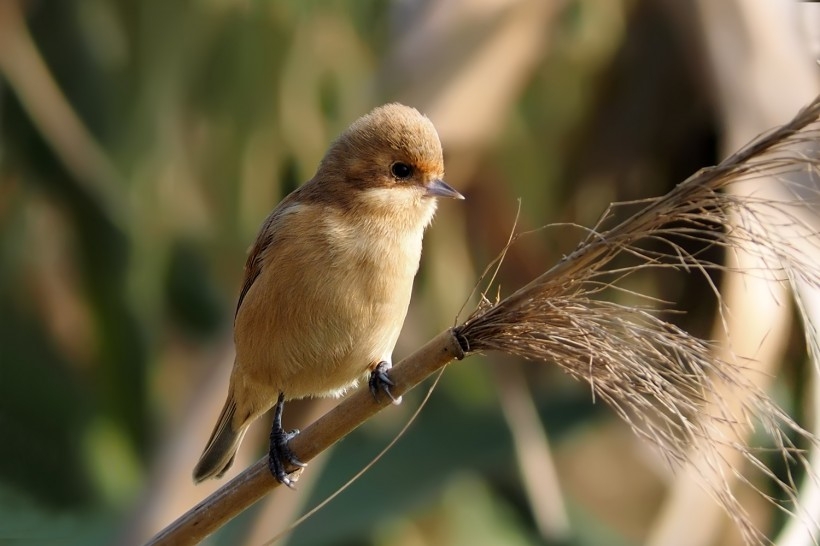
(658, 378)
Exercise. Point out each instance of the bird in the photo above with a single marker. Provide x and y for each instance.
(328, 281)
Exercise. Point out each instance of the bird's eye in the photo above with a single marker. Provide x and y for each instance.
(401, 170)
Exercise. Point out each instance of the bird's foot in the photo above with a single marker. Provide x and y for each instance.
(380, 381)
(280, 457)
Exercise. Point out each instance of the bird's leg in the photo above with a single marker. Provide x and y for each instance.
(280, 455)
(380, 381)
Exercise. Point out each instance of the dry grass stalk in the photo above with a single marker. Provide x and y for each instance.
(660, 379)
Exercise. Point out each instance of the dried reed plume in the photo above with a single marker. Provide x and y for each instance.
(660, 379)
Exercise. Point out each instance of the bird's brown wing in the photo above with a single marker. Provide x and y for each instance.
(253, 265)
(265, 243)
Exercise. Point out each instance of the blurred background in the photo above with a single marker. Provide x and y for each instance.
(142, 143)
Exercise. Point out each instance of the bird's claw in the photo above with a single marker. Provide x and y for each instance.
(380, 381)
(280, 456)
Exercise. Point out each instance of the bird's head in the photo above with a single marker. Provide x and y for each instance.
(389, 158)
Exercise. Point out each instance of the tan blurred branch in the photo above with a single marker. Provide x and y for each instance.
(532, 447)
(761, 70)
(27, 74)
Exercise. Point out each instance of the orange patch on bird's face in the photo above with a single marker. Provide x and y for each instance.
(431, 169)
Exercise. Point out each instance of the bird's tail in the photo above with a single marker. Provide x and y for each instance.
(221, 449)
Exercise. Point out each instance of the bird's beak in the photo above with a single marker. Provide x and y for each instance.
(439, 188)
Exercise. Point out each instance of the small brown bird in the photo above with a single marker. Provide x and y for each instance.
(328, 281)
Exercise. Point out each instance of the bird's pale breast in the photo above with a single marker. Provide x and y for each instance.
(325, 310)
